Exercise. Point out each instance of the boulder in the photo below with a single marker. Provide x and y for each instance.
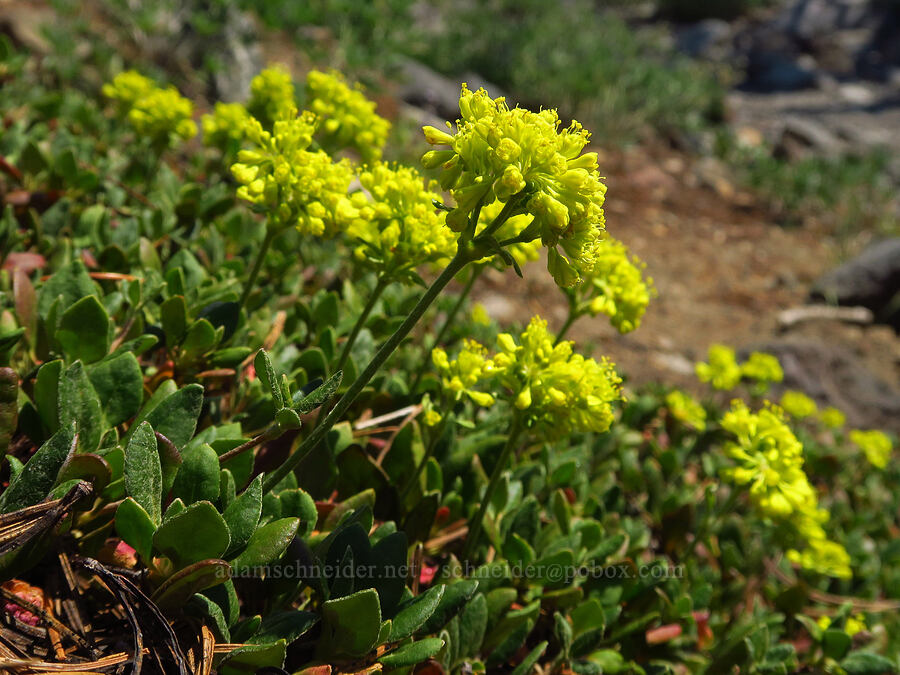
(835, 377)
(871, 279)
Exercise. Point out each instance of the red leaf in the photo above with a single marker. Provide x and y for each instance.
(662, 634)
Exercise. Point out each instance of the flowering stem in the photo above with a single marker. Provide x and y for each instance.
(573, 316)
(460, 260)
(257, 264)
(381, 284)
(477, 523)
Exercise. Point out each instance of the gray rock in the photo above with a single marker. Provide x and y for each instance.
(422, 87)
(706, 39)
(801, 136)
(834, 377)
(871, 280)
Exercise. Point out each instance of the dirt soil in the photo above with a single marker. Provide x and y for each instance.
(722, 267)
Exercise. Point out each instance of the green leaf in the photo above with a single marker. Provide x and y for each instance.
(242, 515)
(83, 331)
(178, 588)
(455, 596)
(266, 373)
(350, 624)
(201, 337)
(267, 544)
(143, 472)
(198, 478)
(174, 316)
(252, 658)
(528, 663)
(201, 606)
(194, 534)
(119, 386)
(415, 612)
(46, 393)
(136, 527)
(78, 403)
(176, 416)
(319, 396)
(413, 653)
(473, 624)
(72, 282)
(39, 475)
(288, 626)
(867, 663)
(325, 313)
(836, 643)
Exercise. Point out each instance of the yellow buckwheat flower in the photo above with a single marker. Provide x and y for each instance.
(398, 225)
(686, 410)
(561, 392)
(616, 287)
(762, 367)
(832, 418)
(470, 369)
(854, 624)
(797, 404)
(127, 88)
(294, 185)
(480, 315)
(225, 127)
(160, 115)
(272, 95)
(770, 461)
(825, 557)
(348, 118)
(504, 154)
(522, 252)
(875, 444)
(722, 371)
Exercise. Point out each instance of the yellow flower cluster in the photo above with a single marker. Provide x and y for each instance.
(466, 372)
(522, 252)
(875, 444)
(762, 367)
(397, 223)
(723, 371)
(825, 557)
(616, 287)
(272, 95)
(225, 127)
(686, 410)
(770, 462)
(158, 114)
(832, 418)
(348, 118)
(499, 153)
(127, 88)
(561, 391)
(295, 186)
(797, 404)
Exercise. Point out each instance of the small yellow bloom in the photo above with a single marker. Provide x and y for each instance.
(854, 624)
(224, 128)
(825, 557)
(272, 95)
(161, 115)
(832, 418)
(480, 315)
(722, 370)
(686, 410)
(876, 445)
(348, 118)
(762, 367)
(797, 404)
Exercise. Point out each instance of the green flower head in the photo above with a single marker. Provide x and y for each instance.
(721, 370)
